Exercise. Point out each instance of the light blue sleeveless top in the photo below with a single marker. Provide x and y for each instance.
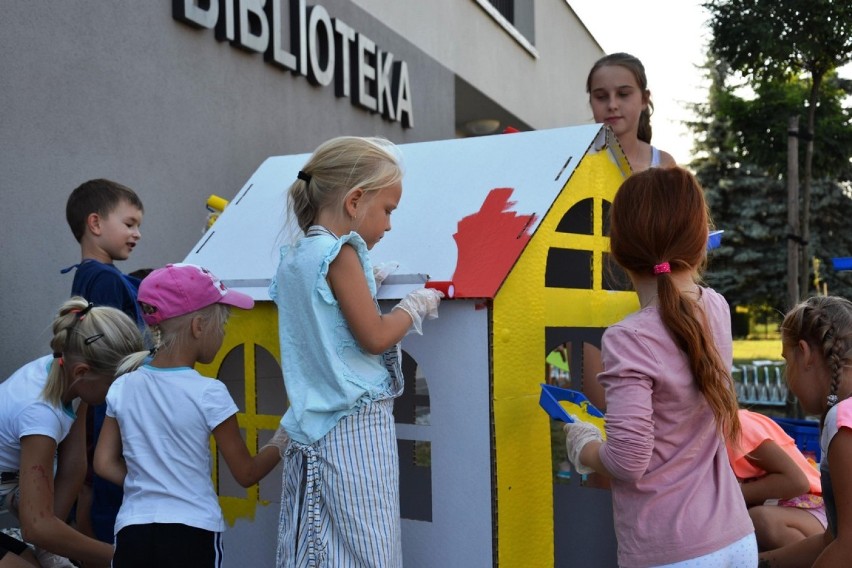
(326, 372)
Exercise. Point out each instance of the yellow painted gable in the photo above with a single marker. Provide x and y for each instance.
(523, 308)
(251, 330)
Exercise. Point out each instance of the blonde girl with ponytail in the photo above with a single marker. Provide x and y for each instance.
(43, 409)
(155, 441)
(340, 357)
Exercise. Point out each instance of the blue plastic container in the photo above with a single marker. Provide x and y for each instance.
(551, 395)
(842, 263)
(714, 240)
(806, 434)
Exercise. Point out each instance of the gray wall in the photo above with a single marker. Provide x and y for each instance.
(544, 87)
(121, 90)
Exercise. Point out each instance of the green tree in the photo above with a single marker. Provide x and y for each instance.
(741, 155)
(768, 40)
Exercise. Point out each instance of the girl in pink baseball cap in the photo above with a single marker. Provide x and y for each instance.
(155, 439)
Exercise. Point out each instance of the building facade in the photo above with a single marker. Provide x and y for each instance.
(179, 102)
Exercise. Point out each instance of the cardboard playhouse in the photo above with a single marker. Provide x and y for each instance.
(517, 224)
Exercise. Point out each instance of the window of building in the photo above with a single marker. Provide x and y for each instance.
(506, 8)
(516, 17)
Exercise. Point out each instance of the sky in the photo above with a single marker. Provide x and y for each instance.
(670, 38)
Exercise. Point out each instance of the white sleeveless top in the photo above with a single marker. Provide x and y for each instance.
(655, 157)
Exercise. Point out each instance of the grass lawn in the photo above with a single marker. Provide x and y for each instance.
(747, 350)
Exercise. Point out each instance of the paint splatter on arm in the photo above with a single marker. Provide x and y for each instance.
(39, 523)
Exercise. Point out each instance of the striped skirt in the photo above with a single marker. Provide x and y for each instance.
(340, 496)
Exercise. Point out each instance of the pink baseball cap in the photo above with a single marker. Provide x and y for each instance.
(178, 289)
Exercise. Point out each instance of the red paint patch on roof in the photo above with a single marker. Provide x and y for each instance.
(489, 242)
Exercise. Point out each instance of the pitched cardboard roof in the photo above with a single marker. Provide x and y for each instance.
(468, 207)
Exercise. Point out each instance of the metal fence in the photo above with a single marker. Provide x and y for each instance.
(760, 382)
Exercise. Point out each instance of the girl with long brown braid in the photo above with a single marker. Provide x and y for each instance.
(816, 338)
(670, 403)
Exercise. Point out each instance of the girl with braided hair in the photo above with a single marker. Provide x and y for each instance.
(42, 429)
(816, 340)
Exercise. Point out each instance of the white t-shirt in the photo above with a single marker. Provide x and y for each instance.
(23, 412)
(166, 417)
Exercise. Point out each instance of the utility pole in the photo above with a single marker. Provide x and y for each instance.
(793, 238)
(805, 226)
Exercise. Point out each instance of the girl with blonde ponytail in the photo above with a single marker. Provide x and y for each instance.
(670, 403)
(155, 442)
(340, 354)
(42, 416)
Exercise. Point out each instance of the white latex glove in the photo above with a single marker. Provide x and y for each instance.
(50, 560)
(419, 304)
(11, 501)
(577, 435)
(383, 270)
(280, 439)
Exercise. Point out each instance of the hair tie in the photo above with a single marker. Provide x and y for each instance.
(304, 177)
(662, 268)
(82, 313)
(831, 400)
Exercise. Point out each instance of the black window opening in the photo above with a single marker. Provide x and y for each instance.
(415, 456)
(574, 268)
(568, 268)
(269, 399)
(579, 219)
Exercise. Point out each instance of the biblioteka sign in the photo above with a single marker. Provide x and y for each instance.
(322, 48)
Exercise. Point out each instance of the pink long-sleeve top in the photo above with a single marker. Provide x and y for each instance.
(674, 494)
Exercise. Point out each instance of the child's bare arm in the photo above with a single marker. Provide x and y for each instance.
(70, 465)
(375, 332)
(838, 552)
(246, 469)
(783, 479)
(800, 553)
(39, 524)
(109, 460)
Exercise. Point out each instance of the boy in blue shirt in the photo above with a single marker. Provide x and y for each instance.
(105, 218)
